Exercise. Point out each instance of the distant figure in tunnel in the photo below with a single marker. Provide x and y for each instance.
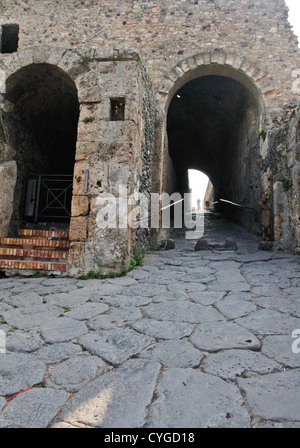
(198, 205)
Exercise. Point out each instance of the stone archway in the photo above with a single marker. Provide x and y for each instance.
(49, 88)
(247, 86)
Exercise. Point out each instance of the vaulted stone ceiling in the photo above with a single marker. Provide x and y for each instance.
(203, 119)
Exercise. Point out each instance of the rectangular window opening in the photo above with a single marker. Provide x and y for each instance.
(117, 109)
(9, 38)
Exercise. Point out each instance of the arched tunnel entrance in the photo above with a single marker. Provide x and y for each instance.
(41, 118)
(212, 126)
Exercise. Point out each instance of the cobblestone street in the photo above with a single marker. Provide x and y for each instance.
(189, 339)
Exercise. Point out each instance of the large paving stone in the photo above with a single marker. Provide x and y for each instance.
(67, 300)
(232, 307)
(186, 287)
(18, 342)
(229, 364)
(35, 408)
(121, 300)
(62, 329)
(122, 281)
(87, 311)
(174, 354)
(99, 288)
(171, 296)
(52, 354)
(182, 312)
(24, 300)
(115, 346)
(275, 396)
(187, 398)
(116, 317)
(27, 318)
(74, 373)
(163, 329)
(267, 321)
(212, 337)
(19, 371)
(119, 399)
(229, 285)
(144, 289)
(206, 298)
(279, 347)
(289, 305)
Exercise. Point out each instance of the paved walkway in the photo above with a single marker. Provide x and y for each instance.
(190, 339)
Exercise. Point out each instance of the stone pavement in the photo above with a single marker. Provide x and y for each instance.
(190, 339)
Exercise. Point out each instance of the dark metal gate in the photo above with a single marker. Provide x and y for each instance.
(48, 197)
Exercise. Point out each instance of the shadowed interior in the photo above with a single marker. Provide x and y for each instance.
(212, 126)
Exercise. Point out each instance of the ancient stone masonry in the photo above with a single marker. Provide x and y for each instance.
(135, 93)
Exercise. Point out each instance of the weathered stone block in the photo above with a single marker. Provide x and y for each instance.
(167, 245)
(85, 150)
(88, 89)
(76, 255)
(78, 229)
(79, 177)
(80, 205)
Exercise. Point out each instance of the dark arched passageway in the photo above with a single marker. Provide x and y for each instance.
(212, 126)
(42, 112)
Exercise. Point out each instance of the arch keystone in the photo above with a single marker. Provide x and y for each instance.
(218, 56)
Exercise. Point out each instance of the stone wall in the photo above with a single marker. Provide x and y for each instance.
(165, 31)
(284, 175)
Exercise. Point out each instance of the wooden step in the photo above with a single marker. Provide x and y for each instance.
(55, 234)
(34, 242)
(33, 265)
(32, 253)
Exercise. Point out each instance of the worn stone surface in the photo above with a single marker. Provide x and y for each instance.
(117, 400)
(74, 373)
(274, 396)
(213, 336)
(179, 356)
(174, 354)
(22, 344)
(182, 312)
(163, 329)
(279, 348)
(235, 363)
(117, 317)
(233, 307)
(214, 402)
(20, 371)
(26, 318)
(269, 322)
(87, 311)
(33, 409)
(62, 329)
(115, 346)
(54, 353)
